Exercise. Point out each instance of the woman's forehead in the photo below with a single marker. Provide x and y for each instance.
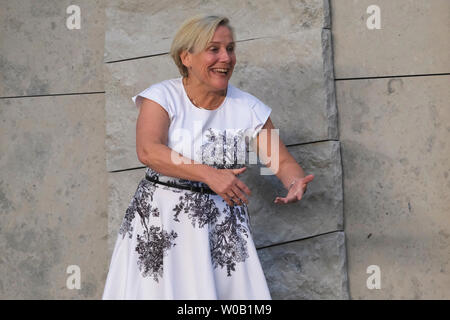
(222, 32)
(218, 42)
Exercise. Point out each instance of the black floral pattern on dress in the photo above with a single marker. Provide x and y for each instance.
(152, 247)
(140, 204)
(154, 242)
(199, 207)
(227, 242)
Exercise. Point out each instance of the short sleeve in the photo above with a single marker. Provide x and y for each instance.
(261, 113)
(158, 94)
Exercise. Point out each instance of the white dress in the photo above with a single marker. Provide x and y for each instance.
(182, 244)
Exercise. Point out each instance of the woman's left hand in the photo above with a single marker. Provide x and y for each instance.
(296, 191)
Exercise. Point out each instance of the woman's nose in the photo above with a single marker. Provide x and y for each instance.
(225, 55)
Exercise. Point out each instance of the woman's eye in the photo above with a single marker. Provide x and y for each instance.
(231, 49)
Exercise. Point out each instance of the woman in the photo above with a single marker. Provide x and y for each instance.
(186, 233)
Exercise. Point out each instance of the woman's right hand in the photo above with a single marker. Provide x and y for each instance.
(225, 183)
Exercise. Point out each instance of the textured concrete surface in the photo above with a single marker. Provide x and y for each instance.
(123, 80)
(131, 33)
(309, 269)
(395, 152)
(39, 55)
(413, 39)
(296, 81)
(319, 211)
(297, 85)
(53, 196)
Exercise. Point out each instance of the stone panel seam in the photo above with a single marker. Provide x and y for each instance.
(53, 95)
(300, 239)
(166, 52)
(397, 76)
(310, 142)
(328, 74)
(326, 14)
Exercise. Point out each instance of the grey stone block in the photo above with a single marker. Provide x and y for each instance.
(293, 74)
(413, 38)
(122, 81)
(297, 85)
(318, 212)
(142, 28)
(53, 196)
(39, 55)
(394, 136)
(309, 269)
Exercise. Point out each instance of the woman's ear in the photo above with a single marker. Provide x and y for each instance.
(185, 58)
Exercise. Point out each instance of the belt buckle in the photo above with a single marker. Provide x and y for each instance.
(191, 187)
(202, 190)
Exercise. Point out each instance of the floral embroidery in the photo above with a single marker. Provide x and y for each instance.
(227, 243)
(199, 208)
(154, 243)
(152, 247)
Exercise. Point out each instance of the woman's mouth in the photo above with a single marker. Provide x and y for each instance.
(221, 71)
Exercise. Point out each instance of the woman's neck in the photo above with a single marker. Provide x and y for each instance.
(201, 97)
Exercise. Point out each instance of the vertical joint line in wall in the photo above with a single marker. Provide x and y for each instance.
(328, 74)
(326, 14)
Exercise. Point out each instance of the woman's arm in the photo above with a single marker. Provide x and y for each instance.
(282, 164)
(151, 146)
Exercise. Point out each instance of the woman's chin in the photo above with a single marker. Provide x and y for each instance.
(220, 83)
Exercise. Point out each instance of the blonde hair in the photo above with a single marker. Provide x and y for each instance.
(194, 35)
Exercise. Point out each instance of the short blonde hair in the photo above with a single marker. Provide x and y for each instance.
(194, 35)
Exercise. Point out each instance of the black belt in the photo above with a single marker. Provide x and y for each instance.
(191, 188)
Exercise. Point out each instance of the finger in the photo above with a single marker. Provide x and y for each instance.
(300, 190)
(304, 189)
(308, 178)
(230, 194)
(238, 171)
(281, 200)
(238, 201)
(243, 187)
(277, 200)
(228, 200)
(240, 195)
(291, 199)
(234, 198)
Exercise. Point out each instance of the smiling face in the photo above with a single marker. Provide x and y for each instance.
(218, 54)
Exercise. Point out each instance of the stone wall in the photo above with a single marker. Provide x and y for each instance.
(393, 98)
(53, 182)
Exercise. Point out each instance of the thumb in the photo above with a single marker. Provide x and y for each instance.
(308, 178)
(238, 171)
